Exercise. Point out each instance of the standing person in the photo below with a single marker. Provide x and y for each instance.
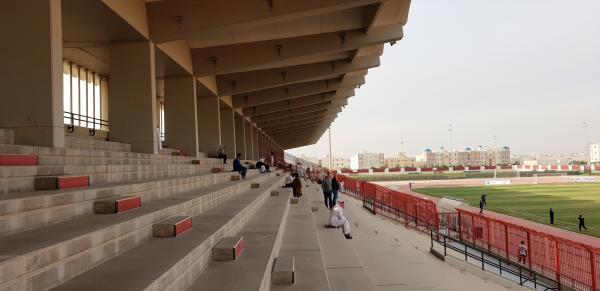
(237, 166)
(522, 252)
(337, 219)
(483, 199)
(581, 222)
(158, 139)
(480, 207)
(327, 191)
(296, 186)
(342, 189)
(410, 186)
(272, 159)
(335, 188)
(221, 154)
(551, 216)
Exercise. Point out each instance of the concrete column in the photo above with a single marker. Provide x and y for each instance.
(132, 96)
(209, 124)
(249, 141)
(31, 67)
(228, 131)
(255, 143)
(240, 136)
(181, 120)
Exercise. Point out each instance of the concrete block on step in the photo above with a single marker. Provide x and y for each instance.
(278, 174)
(61, 182)
(283, 270)
(18, 160)
(314, 209)
(216, 170)
(235, 177)
(255, 185)
(275, 193)
(228, 249)
(293, 200)
(172, 227)
(117, 204)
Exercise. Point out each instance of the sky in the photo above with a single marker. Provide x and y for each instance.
(526, 72)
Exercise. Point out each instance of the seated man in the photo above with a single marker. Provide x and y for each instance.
(262, 166)
(221, 154)
(289, 179)
(237, 166)
(337, 219)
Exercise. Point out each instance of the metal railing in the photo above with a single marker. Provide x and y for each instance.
(491, 262)
(84, 119)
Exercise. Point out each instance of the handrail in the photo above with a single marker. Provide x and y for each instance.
(84, 118)
(524, 274)
(292, 159)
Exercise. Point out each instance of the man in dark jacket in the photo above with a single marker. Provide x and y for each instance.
(237, 166)
(335, 186)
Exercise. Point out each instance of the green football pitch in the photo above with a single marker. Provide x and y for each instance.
(533, 202)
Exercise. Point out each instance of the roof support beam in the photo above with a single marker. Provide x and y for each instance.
(239, 83)
(228, 59)
(330, 105)
(300, 117)
(290, 128)
(298, 102)
(175, 20)
(295, 91)
(297, 123)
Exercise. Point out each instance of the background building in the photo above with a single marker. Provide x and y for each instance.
(367, 160)
(595, 153)
(337, 163)
(466, 157)
(402, 160)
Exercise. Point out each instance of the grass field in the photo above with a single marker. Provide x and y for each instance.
(532, 202)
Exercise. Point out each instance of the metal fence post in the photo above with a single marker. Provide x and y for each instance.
(445, 253)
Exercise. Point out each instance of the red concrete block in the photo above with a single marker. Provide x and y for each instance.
(117, 204)
(172, 227)
(18, 160)
(73, 182)
(128, 203)
(228, 249)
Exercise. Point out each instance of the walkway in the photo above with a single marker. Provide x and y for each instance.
(386, 256)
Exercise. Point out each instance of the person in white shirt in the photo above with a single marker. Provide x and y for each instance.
(289, 179)
(342, 189)
(523, 253)
(337, 219)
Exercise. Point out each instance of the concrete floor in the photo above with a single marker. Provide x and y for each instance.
(386, 256)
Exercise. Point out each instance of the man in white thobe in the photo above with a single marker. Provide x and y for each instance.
(337, 219)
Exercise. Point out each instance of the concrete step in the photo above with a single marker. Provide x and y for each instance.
(262, 239)
(18, 160)
(95, 144)
(23, 179)
(48, 256)
(24, 211)
(6, 132)
(301, 242)
(7, 140)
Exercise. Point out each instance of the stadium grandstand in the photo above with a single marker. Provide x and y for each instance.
(142, 147)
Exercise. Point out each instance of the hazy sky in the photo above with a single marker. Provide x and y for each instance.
(527, 71)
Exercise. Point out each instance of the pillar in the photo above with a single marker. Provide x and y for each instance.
(132, 96)
(228, 130)
(181, 120)
(249, 142)
(209, 124)
(255, 143)
(240, 136)
(32, 72)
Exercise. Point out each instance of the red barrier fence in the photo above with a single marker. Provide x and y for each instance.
(567, 257)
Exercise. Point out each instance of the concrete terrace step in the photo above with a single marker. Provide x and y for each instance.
(175, 262)
(262, 239)
(48, 256)
(7, 136)
(91, 143)
(24, 211)
(300, 241)
(23, 179)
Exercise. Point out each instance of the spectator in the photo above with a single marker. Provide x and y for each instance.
(158, 139)
(581, 222)
(522, 253)
(296, 186)
(483, 199)
(262, 166)
(221, 154)
(237, 166)
(480, 207)
(337, 219)
(289, 178)
(327, 191)
(410, 186)
(551, 216)
(272, 159)
(335, 187)
(342, 189)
